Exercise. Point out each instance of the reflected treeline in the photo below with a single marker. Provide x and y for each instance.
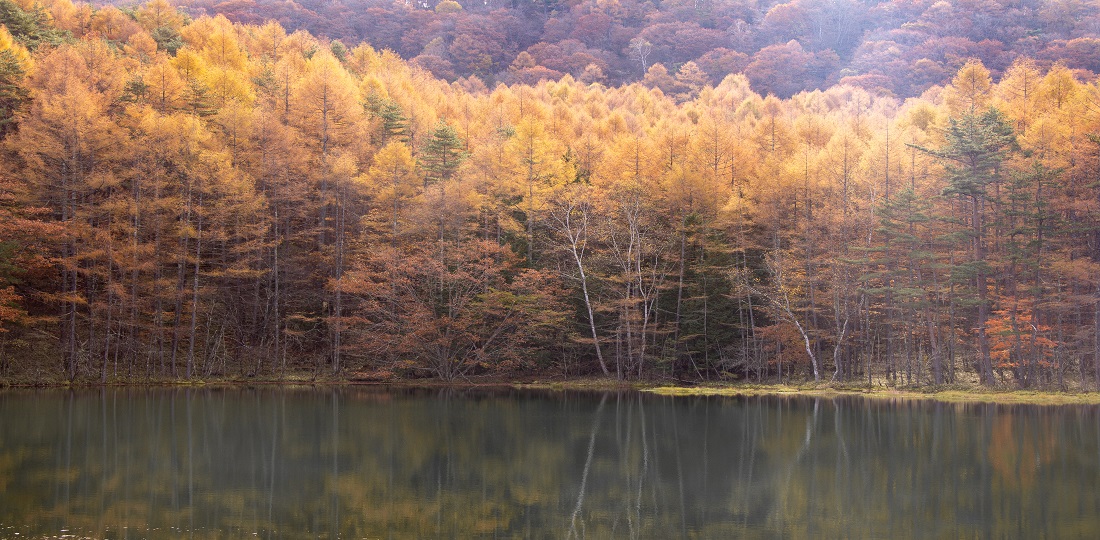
(376, 463)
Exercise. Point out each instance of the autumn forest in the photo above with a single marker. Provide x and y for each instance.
(189, 198)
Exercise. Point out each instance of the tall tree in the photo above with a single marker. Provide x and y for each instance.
(974, 150)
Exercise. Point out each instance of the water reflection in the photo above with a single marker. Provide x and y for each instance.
(372, 463)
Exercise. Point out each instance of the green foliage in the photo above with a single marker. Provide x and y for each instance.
(199, 99)
(20, 23)
(9, 271)
(443, 154)
(167, 38)
(31, 28)
(1028, 218)
(901, 259)
(975, 147)
(394, 123)
(135, 90)
(13, 95)
(339, 50)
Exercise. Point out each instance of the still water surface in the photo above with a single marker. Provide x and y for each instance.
(376, 463)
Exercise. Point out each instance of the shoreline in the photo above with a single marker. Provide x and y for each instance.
(952, 395)
(956, 394)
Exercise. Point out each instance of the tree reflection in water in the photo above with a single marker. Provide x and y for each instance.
(367, 462)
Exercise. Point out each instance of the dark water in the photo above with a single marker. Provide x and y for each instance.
(353, 463)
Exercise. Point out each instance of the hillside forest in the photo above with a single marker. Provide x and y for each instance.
(196, 198)
(900, 47)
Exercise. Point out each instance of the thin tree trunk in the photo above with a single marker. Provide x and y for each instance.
(1096, 340)
(679, 295)
(134, 274)
(110, 302)
(195, 293)
(984, 363)
(937, 359)
(338, 308)
(181, 283)
(591, 316)
(577, 237)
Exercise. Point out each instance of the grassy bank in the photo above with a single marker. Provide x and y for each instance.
(953, 394)
(957, 394)
(950, 395)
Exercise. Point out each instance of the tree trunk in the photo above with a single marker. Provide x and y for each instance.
(195, 293)
(985, 366)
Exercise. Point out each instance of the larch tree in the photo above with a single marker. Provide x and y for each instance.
(325, 111)
(539, 167)
(393, 183)
(70, 150)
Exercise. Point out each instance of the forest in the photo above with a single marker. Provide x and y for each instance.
(192, 198)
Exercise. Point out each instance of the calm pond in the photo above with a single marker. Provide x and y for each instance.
(377, 463)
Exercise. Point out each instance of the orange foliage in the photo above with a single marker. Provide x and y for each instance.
(1015, 336)
(783, 343)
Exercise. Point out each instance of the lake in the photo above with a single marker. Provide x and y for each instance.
(388, 463)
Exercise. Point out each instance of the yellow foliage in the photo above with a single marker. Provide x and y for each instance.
(1058, 86)
(8, 43)
(141, 46)
(76, 18)
(970, 90)
(1018, 91)
(157, 14)
(165, 86)
(448, 6)
(363, 59)
(113, 24)
(223, 49)
(267, 41)
(922, 116)
(1045, 136)
(229, 85)
(325, 103)
(189, 64)
(196, 34)
(301, 44)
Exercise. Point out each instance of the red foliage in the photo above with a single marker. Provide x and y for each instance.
(722, 62)
(787, 69)
(569, 56)
(1080, 53)
(437, 66)
(25, 243)
(876, 40)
